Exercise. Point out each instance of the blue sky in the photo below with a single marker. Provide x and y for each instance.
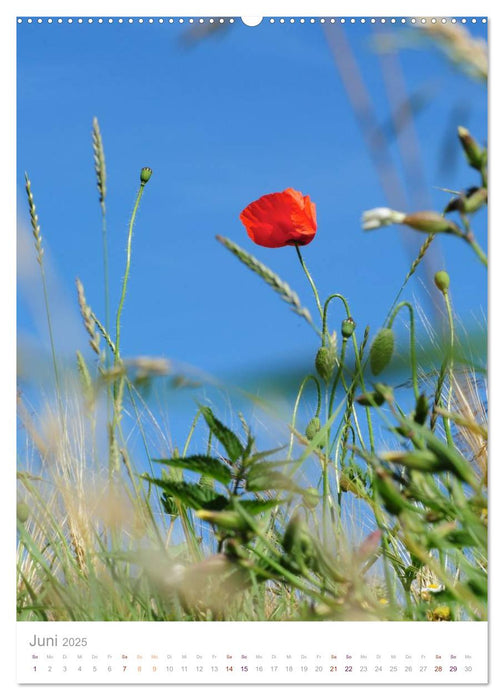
(221, 121)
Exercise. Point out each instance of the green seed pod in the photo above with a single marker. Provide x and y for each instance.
(430, 222)
(474, 153)
(475, 199)
(325, 362)
(312, 428)
(442, 281)
(381, 350)
(370, 398)
(421, 409)
(145, 175)
(384, 391)
(311, 498)
(348, 327)
(23, 512)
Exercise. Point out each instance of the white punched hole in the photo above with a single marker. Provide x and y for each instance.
(251, 21)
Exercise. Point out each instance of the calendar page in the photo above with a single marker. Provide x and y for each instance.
(252, 437)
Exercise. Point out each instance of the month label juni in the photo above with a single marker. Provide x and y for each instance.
(252, 652)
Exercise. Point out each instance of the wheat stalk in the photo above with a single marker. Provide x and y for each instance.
(277, 284)
(416, 262)
(40, 254)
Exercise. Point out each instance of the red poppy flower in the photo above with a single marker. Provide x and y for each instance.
(281, 218)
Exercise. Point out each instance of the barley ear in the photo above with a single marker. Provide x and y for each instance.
(88, 318)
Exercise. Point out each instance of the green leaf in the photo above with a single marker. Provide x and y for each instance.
(263, 478)
(224, 435)
(455, 462)
(255, 507)
(202, 464)
(191, 495)
(259, 456)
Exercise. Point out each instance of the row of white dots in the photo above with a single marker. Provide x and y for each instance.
(231, 20)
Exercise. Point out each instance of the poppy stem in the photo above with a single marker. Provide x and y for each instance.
(126, 273)
(312, 283)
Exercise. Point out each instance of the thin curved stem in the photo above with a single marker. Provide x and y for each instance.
(310, 280)
(414, 371)
(296, 407)
(326, 306)
(126, 273)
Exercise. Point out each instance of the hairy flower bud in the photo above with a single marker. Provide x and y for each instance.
(325, 361)
(382, 349)
(348, 327)
(311, 498)
(312, 428)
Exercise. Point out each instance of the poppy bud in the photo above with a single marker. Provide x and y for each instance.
(442, 281)
(381, 350)
(348, 327)
(421, 409)
(312, 428)
(145, 175)
(325, 362)
(474, 153)
(23, 512)
(311, 498)
(430, 222)
(389, 494)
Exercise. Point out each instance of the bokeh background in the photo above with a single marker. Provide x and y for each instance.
(357, 115)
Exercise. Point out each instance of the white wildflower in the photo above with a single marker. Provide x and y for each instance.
(381, 216)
